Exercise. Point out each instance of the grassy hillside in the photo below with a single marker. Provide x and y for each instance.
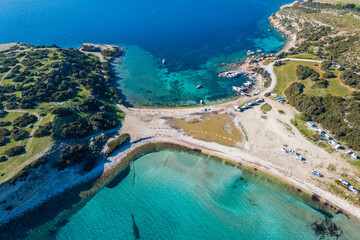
(326, 30)
(51, 94)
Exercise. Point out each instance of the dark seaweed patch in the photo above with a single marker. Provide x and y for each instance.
(326, 228)
(135, 228)
(323, 212)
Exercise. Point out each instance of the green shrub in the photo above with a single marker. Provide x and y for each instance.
(322, 84)
(266, 107)
(14, 151)
(351, 78)
(356, 95)
(76, 129)
(117, 143)
(3, 114)
(19, 134)
(11, 105)
(62, 111)
(42, 131)
(76, 155)
(325, 65)
(98, 142)
(3, 140)
(282, 55)
(278, 63)
(3, 158)
(89, 105)
(329, 74)
(4, 132)
(304, 72)
(103, 121)
(24, 120)
(5, 123)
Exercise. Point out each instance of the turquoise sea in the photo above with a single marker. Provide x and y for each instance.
(175, 195)
(194, 36)
(171, 195)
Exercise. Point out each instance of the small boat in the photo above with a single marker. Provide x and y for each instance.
(163, 61)
(316, 173)
(238, 89)
(199, 86)
(231, 74)
(268, 30)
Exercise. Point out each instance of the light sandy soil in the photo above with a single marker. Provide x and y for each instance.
(6, 46)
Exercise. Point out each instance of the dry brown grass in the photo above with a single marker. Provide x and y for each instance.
(214, 128)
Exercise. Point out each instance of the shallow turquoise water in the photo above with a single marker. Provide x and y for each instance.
(181, 196)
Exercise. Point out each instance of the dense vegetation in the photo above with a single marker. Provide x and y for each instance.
(332, 32)
(60, 75)
(304, 72)
(42, 131)
(350, 78)
(54, 94)
(339, 115)
(24, 120)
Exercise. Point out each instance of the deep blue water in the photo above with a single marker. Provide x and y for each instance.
(193, 36)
